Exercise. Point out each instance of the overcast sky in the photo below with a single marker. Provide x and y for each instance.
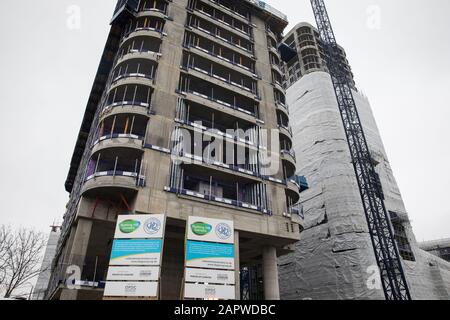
(399, 51)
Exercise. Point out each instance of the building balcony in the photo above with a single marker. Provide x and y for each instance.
(278, 85)
(289, 162)
(153, 6)
(120, 131)
(131, 81)
(136, 67)
(211, 122)
(120, 140)
(222, 37)
(140, 47)
(127, 107)
(274, 51)
(229, 26)
(227, 8)
(224, 189)
(272, 35)
(142, 32)
(135, 99)
(224, 61)
(286, 131)
(221, 76)
(220, 96)
(292, 191)
(138, 54)
(277, 68)
(114, 171)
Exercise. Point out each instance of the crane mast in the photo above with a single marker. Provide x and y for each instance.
(386, 252)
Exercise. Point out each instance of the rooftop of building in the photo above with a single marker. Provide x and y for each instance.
(435, 244)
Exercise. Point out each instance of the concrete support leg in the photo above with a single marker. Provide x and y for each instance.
(270, 274)
(237, 266)
(78, 253)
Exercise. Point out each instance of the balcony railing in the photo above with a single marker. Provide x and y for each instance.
(228, 80)
(231, 25)
(211, 53)
(217, 36)
(216, 100)
(120, 167)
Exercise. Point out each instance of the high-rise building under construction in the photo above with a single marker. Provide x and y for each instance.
(334, 258)
(169, 68)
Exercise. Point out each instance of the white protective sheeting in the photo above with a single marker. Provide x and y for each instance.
(334, 258)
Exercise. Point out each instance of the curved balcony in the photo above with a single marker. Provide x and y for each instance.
(153, 12)
(130, 141)
(135, 99)
(278, 85)
(124, 131)
(136, 54)
(141, 44)
(137, 67)
(142, 32)
(275, 51)
(286, 131)
(289, 162)
(126, 107)
(277, 69)
(271, 34)
(292, 191)
(127, 80)
(282, 109)
(114, 171)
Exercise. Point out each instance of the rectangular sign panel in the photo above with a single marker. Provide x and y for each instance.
(133, 274)
(210, 255)
(210, 276)
(210, 230)
(131, 289)
(136, 252)
(209, 292)
(144, 226)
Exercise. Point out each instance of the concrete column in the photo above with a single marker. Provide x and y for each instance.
(78, 253)
(237, 266)
(270, 274)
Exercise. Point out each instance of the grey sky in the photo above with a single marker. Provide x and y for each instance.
(47, 72)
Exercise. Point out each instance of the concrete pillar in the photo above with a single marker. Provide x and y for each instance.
(237, 265)
(78, 253)
(270, 274)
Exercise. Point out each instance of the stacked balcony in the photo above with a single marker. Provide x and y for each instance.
(116, 165)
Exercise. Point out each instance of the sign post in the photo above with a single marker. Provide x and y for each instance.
(135, 264)
(210, 259)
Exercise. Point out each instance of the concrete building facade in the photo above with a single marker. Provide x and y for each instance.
(439, 248)
(171, 67)
(334, 258)
(44, 276)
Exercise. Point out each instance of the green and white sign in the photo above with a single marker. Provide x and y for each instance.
(210, 230)
(135, 264)
(144, 226)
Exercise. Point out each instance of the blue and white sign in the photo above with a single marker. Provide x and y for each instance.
(136, 252)
(208, 255)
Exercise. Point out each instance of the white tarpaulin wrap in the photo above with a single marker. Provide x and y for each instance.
(334, 258)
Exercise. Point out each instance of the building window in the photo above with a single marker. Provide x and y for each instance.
(401, 238)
